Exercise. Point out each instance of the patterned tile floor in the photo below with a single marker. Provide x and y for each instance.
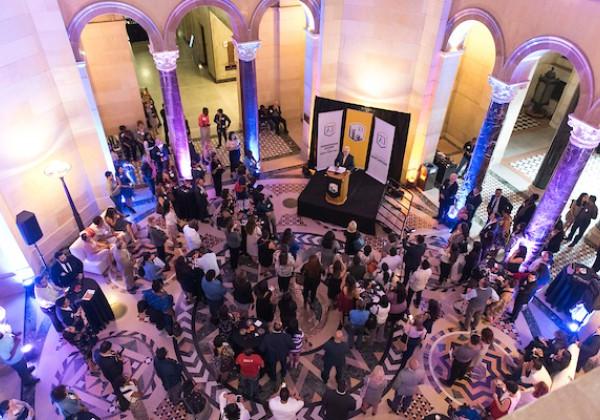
(193, 348)
(525, 122)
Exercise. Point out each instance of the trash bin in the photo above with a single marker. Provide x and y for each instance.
(426, 177)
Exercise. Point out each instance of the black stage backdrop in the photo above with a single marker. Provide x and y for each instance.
(400, 120)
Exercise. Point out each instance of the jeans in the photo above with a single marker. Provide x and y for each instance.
(221, 135)
(472, 317)
(464, 163)
(401, 401)
(411, 346)
(249, 387)
(309, 294)
(355, 331)
(339, 371)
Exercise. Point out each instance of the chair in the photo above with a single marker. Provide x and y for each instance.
(94, 267)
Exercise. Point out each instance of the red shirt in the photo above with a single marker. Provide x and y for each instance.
(203, 120)
(249, 365)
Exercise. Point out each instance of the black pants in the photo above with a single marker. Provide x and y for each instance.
(221, 135)
(309, 294)
(457, 371)
(283, 283)
(51, 312)
(234, 256)
(161, 253)
(21, 368)
(444, 271)
(581, 228)
(411, 346)
(408, 270)
(218, 183)
(519, 302)
(596, 265)
(272, 366)
(339, 371)
(409, 297)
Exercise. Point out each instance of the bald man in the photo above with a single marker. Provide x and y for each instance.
(336, 350)
(405, 386)
(345, 159)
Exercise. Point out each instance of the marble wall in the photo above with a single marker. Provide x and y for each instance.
(280, 58)
(112, 73)
(45, 116)
(471, 93)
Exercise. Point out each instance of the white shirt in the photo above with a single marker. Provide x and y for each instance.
(381, 313)
(285, 411)
(393, 262)
(192, 238)
(536, 376)
(418, 279)
(244, 414)
(171, 218)
(7, 343)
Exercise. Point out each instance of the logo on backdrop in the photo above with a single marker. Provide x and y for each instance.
(356, 132)
(330, 129)
(381, 140)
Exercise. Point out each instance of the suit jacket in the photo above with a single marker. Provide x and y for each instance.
(449, 192)
(504, 204)
(66, 276)
(347, 163)
(413, 254)
(590, 347)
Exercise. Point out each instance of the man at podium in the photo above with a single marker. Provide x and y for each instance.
(345, 159)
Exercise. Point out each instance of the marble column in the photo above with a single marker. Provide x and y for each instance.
(312, 64)
(584, 139)
(91, 100)
(557, 147)
(166, 63)
(502, 95)
(247, 69)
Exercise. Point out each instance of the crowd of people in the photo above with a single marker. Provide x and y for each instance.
(373, 291)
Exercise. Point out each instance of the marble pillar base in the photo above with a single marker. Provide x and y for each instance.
(532, 189)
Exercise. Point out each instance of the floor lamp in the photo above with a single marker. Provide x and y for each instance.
(58, 169)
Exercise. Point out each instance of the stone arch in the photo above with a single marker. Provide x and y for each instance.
(481, 16)
(238, 24)
(524, 57)
(91, 11)
(312, 9)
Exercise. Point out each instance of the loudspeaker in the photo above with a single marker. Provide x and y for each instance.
(29, 227)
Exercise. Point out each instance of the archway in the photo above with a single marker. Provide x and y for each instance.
(473, 48)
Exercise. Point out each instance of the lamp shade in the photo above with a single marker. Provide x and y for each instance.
(57, 168)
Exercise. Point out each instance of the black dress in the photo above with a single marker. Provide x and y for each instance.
(97, 310)
(265, 310)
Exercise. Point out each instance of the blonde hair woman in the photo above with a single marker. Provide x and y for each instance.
(372, 390)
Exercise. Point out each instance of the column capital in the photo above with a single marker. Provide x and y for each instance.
(502, 92)
(246, 50)
(165, 60)
(583, 135)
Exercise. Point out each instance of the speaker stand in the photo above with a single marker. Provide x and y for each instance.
(41, 256)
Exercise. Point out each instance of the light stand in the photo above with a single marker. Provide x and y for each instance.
(58, 169)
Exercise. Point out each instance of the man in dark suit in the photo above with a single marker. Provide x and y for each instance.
(588, 349)
(413, 253)
(583, 220)
(526, 291)
(276, 347)
(448, 192)
(66, 270)
(499, 204)
(345, 159)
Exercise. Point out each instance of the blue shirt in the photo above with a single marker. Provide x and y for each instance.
(152, 271)
(358, 318)
(213, 290)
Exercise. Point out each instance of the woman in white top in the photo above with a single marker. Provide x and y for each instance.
(253, 234)
(415, 333)
(417, 283)
(284, 268)
(381, 311)
(171, 224)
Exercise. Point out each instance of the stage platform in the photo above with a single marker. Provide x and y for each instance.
(364, 198)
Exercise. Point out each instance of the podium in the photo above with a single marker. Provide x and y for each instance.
(337, 187)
